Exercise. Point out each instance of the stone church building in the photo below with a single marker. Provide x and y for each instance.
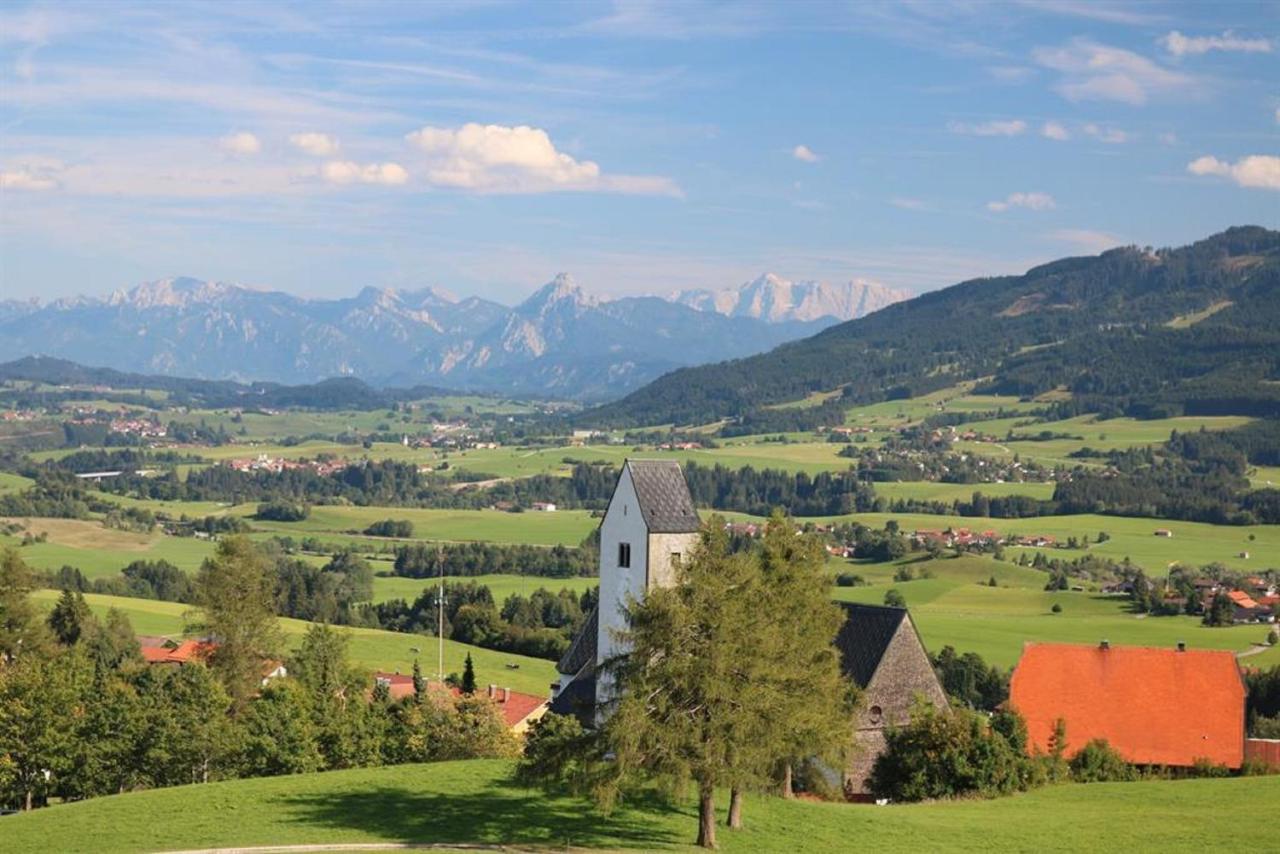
(649, 526)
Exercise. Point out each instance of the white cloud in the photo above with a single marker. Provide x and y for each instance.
(317, 144)
(805, 153)
(909, 204)
(1091, 241)
(348, 172)
(28, 178)
(1259, 171)
(240, 143)
(1168, 138)
(1097, 72)
(1012, 127)
(1179, 45)
(1054, 130)
(1030, 201)
(1109, 135)
(501, 159)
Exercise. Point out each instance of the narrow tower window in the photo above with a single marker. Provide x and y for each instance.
(624, 555)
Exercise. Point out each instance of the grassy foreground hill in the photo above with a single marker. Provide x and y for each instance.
(476, 803)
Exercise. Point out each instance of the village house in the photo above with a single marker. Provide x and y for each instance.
(518, 710)
(1171, 707)
(649, 525)
(166, 652)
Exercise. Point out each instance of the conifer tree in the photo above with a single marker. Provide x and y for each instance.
(21, 630)
(70, 618)
(468, 677)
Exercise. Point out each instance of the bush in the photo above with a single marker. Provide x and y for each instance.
(849, 579)
(401, 528)
(1057, 608)
(558, 754)
(894, 598)
(947, 753)
(1098, 762)
(282, 511)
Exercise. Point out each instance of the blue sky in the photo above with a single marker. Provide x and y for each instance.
(641, 146)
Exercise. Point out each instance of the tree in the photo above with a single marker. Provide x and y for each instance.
(39, 703)
(190, 736)
(279, 734)
(681, 709)
(1099, 762)
(21, 631)
(468, 685)
(234, 591)
(70, 618)
(345, 732)
(113, 644)
(806, 704)
(1221, 610)
(894, 598)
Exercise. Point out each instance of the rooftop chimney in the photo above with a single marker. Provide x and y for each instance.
(493, 689)
(1182, 646)
(506, 694)
(1106, 644)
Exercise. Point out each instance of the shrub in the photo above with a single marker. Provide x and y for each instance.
(947, 753)
(283, 511)
(894, 598)
(401, 528)
(1098, 762)
(1057, 608)
(849, 579)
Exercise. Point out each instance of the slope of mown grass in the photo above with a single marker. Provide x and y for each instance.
(476, 802)
(373, 649)
(499, 584)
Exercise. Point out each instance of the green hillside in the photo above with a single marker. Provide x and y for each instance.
(1125, 331)
(475, 803)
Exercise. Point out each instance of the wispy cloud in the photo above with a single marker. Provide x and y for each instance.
(1179, 45)
(910, 204)
(1010, 127)
(521, 159)
(1259, 171)
(805, 153)
(241, 143)
(30, 176)
(315, 144)
(1055, 130)
(1109, 135)
(1030, 201)
(1097, 72)
(348, 172)
(1086, 239)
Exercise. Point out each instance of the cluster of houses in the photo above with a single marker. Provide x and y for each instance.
(1255, 599)
(275, 465)
(1168, 707)
(518, 710)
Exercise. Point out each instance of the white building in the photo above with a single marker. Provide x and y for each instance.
(650, 525)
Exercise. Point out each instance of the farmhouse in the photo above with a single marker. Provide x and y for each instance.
(165, 652)
(881, 651)
(1155, 706)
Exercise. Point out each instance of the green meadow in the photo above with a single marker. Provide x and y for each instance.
(957, 608)
(370, 648)
(500, 585)
(475, 803)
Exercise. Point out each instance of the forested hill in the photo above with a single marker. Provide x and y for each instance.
(1194, 330)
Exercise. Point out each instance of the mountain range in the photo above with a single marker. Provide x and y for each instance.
(560, 342)
(1188, 330)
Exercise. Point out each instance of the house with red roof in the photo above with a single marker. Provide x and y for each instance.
(518, 710)
(168, 652)
(1156, 706)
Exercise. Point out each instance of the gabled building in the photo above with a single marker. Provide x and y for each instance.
(881, 651)
(1155, 706)
(649, 526)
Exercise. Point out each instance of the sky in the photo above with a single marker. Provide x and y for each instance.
(643, 147)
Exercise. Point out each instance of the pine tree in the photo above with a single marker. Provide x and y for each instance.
(70, 618)
(468, 677)
(418, 683)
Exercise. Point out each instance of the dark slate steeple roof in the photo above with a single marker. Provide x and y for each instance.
(665, 502)
(583, 648)
(864, 638)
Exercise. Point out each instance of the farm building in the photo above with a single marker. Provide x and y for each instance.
(1170, 707)
(881, 651)
(518, 710)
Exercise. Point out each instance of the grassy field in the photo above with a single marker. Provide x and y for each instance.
(13, 482)
(476, 802)
(501, 586)
(948, 492)
(1194, 543)
(957, 608)
(97, 551)
(370, 648)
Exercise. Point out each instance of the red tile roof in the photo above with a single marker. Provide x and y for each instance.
(1155, 706)
(184, 652)
(512, 705)
(1242, 599)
